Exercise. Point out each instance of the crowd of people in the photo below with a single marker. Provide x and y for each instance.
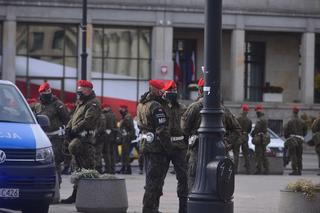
(87, 133)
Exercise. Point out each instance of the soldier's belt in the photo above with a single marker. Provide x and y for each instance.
(297, 136)
(260, 133)
(108, 131)
(149, 137)
(174, 139)
(59, 132)
(86, 133)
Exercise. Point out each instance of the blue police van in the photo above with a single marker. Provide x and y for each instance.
(27, 170)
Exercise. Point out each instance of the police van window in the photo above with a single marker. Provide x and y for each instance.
(12, 106)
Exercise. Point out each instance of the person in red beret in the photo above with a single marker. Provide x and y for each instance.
(200, 86)
(261, 139)
(294, 132)
(155, 143)
(246, 126)
(81, 128)
(128, 134)
(110, 144)
(57, 112)
(178, 157)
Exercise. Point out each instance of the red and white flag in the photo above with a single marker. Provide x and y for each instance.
(177, 68)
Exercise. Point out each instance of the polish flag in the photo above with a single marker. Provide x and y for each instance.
(177, 68)
(193, 67)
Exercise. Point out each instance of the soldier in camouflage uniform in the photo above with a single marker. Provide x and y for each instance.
(246, 126)
(174, 112)
(232, 138)
(261, 138)
(155, 144)
(58, 115)
(100, 137)
(190, 123)
(80, 129)
(68, 163)
(128, 134)
(294, 132)
(316, 138)
(109, 146)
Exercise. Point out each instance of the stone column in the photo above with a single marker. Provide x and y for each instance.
(237, 65)
(9, 47)
(307, 67)
(162, 41)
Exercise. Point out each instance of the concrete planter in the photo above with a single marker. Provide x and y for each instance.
(272, 97)
(102, 195)
(295, 202)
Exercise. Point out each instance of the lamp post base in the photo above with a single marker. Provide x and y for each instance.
(210, 206)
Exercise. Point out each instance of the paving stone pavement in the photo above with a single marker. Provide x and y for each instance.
(253, 193)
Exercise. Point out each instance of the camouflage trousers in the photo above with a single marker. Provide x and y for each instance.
(294, 146)
(156, 166)
(192, 157)
(109, 156)
(83, 152)
(125, 153)
(261, 159)
(57, 145)
(179, 161)
(98, 156)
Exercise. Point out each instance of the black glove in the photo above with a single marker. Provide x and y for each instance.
(70, 134)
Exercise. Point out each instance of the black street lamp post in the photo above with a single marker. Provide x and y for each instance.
(214, 184)
(84, 53)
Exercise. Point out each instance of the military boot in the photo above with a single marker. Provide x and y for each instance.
(294, 173)
(183, 205)
(66, 171)
(70, 199)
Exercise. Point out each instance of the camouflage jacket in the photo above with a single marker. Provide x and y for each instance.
(127, 127)
(191, 119)
(245, 123)
(174, 112)
(295, 126)
(86, 115)
(152, 118)
(232, 127)
(55, 110)
(260, 132)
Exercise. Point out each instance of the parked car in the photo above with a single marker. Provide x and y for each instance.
(274, 148)
(27, 169)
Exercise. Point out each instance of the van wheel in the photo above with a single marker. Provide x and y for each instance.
(40, 207)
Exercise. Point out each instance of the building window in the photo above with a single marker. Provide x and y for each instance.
(254, 70)
(121, 55)
(317, 71)
(47, 53)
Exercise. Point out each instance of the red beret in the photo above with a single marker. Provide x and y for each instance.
(158, 84)
(295, 109)
(258, 108)
(245, 108)
(84, 83)
(43, 87)
(31, 100)
(105, 105)
(169, 85)
(201, 82)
